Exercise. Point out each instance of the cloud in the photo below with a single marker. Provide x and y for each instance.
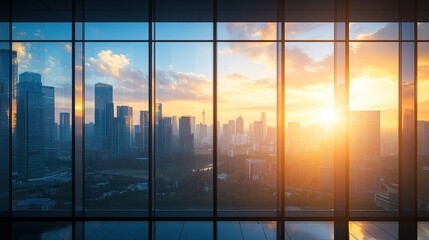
(176, 85)
(257, 52)
(23, 54)
(252, 31)
(389, 31)
(68, 47)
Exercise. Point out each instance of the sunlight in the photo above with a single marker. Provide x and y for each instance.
(327, 116)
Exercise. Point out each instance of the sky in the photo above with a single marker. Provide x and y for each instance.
(247, 71)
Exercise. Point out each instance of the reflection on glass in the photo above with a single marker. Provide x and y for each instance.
(373, 120)
(5, 58)
(184, 126)
(247, 31)
(246, 230)
(247, 152)
(374, 31)
(309, 31)
(116, 126)
(423, 230)
(116, 31)
(116, 230)
(183, 31)
(42, 230)
(423, 126)
(407, 31)
(41, 126)
(373, 230)
(423, 31)
(309, 230)
(184, 230)
(41, 31)
(310, 122)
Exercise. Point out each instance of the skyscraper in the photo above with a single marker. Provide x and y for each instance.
(64, 128)
(264, 125)
(186, 135)
(5, 96)
(30, 127)
(144, 129)
(123, 130)
(239, 125)
(103, 118)
(49, 116)
(364, 150)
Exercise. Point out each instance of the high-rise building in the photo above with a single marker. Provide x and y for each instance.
(123, 127)
(5, 75)
(30, 127)
(423, 138)
(49, 116)
(158, 113)
(64, 127)
(239, 125)
(256, 169)
(264, 125)
(364, 153)
(144, 129)
(258, 131)
(186, 135)
(231, 124)
(103, 115)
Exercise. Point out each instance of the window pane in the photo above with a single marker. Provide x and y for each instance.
(246, 230)
(247, 156)
(247, 31)
(184, 230)
(116, 230)
(5, 58)
(116, 126)
(373, 124)
(41, 31)
(423, 126)
(4, 31)
(42, 230)
(309, 31)
(373, 230)
(310, 122)
(309, 230)
(116, 31)
(423, 230)
(41, 100)
(423, 31)
(183, 31)
(184, 126)
(374, 31)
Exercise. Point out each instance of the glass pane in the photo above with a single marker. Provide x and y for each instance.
(423, 31)
(183, 31)
(247, 31)
(309, 31)
(41, 31)
(310, 121)
(41, 101)
(373, 124)
(423, 230)
(309, 230)
(184, 230)
(246, 230)
(184, 126)
(374, 31)
(42, 230)
(4, 30)
(423, 126)
(116, 230)
(116, 31)
(373, 230)
(407, 31)
(5, 60)
(116, 103)
(247, 156)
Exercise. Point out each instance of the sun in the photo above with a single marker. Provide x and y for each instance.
(328, 116)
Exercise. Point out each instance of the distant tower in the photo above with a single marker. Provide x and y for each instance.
(204, 115)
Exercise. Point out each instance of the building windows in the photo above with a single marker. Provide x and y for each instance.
(217, 119)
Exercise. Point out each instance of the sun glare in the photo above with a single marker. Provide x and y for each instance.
(328, 116)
